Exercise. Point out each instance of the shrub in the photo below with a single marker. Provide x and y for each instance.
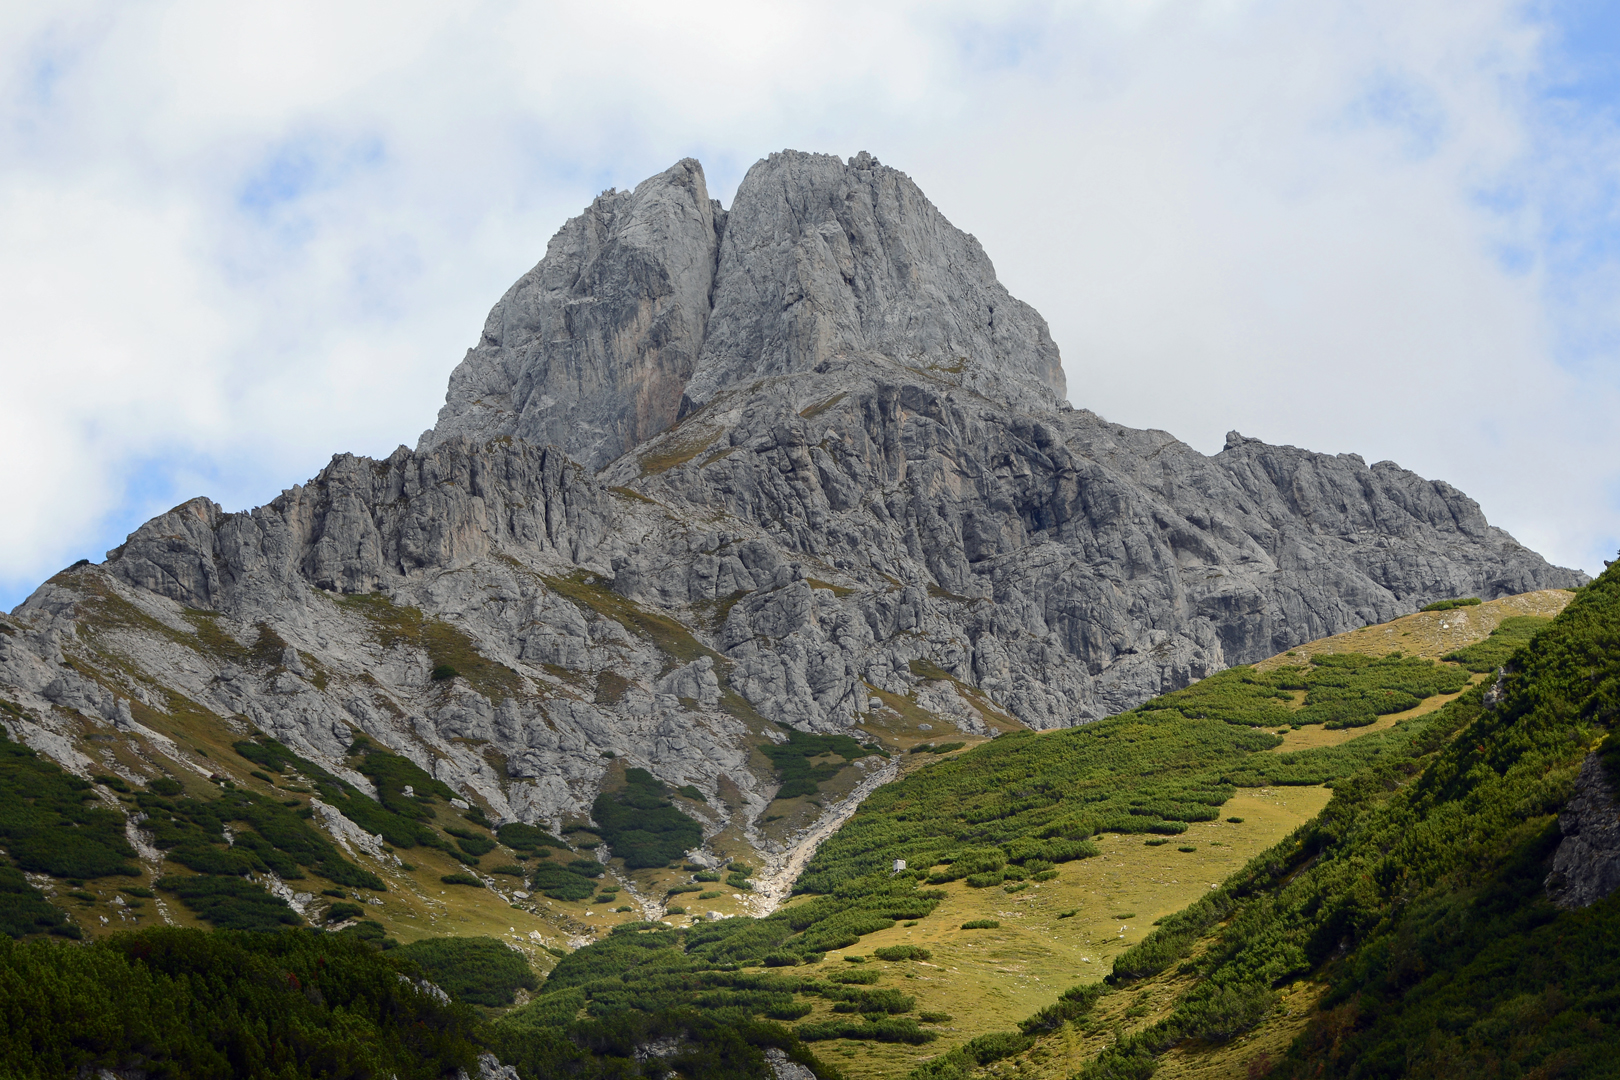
(477, 969)
(1222, 1013)
(1447, 605)
(996, 1046)
(1495, 651)
(51, 822)
(230, 903)
(24, 909)
(393, 814)
(559, 884)
(889, 1029)
(855, 977)
(340, 911)
(902, 952)
(462, 879)
(1074, 1002)
(520, 837)
(981, 924)
(641, 825)
(557, 1009)
(793, 760)
(470, 842)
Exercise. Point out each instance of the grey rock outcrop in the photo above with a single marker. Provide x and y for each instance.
(803, 462)
(826, 261)
(645, 306)
(591, 349)
(1586, 866)
(784, 1068)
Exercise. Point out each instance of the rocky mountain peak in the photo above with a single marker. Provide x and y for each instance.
(653, 302)
(713, 481)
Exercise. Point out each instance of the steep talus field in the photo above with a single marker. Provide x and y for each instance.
(754, 549)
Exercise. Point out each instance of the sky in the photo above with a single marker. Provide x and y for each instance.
(237, 239)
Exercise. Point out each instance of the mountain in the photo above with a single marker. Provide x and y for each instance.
(711, 481)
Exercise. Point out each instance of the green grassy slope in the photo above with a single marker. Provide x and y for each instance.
(1413, 910)
(1174, 760)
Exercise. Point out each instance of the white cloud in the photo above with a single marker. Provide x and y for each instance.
(234, 240)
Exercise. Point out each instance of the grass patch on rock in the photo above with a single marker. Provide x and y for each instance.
(446, 647)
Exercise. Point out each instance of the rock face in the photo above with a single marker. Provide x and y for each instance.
(805, 462)
(649, 304)
(827, 261)
(1586, 866)
(591, 349)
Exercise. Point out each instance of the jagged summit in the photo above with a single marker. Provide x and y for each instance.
(653, 302)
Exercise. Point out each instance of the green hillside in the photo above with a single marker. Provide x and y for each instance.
(1406, 931)
(1008, 816)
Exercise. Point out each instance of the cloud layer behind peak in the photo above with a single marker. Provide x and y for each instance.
(235, 240)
